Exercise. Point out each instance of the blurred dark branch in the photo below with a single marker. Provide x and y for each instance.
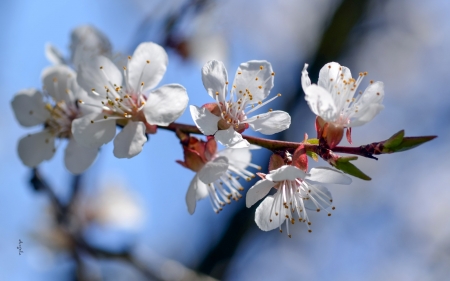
(332, 44)
(63, 213)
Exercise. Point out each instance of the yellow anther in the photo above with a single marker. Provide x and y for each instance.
(142, 83)
(129, 57)
(260, 87)
(259, 102)
(148, 61)
(273, 73)
(105, 117)
(329, 66)
(270, 110)
(124, 68)
(261, 67)
(93, 89)
(365, 73)
(117, 99)
(278, 95)
(92, 121)
(240, 92)
(80, 101)
(378, 94)
(371, 81)
(256, 78)
(226, 82)
(101, 67)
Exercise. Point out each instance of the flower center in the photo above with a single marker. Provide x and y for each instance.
(61, 116)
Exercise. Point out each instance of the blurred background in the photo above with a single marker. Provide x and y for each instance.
(133, 213)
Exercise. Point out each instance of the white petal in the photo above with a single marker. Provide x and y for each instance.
(231, 138)
(285, 172)
(53, 54)
(87, 42)
(213, 170)
(90, 76)
(93, 134)
(29, 108)
(306, 82)
(322, 196)
(206, 121)
(57, 80)
(263, 215)
(330, 74)
(270, 123)
(166, 104)
(35, 148)
(258, 192)
(252, 77)
(237, 157)
(78, 158)
(197, 190)
(328, 175)
(214, 77)
(320, 102)
(369, 105)
(128, 143)
(148, 64)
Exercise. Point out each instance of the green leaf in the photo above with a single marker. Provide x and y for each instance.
(313, 155)
(343, 164)
(411, 142)
(395, 140)
(313, 141)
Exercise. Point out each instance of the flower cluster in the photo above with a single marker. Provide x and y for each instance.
(226, 119)
(86, 97)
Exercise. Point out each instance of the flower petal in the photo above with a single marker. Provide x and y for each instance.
(322, 197)
(53, 55)
(265, 219)
(166, 104)
(320, 102)
(148, 64)
(306, 82)
(94, 134)
(197, 190)
(330, 73)
(128, 143)
(270, 123)
(238, 157)
(206, 121)
(286, 172)
(258, 192)
(256, 76)
(57, 81)
(231, 138)
(29, 108)
(369, 105)
(78, 158)
(214, 77)
(96, 73)
(328, 175)
(35, 148)
(213, 170)
(87, 42)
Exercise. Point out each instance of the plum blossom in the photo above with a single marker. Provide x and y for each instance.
(337, 102)
(86, 41)
(55, 109)
(214, 172)
(226, 119)
(296, 191)
(124, 100)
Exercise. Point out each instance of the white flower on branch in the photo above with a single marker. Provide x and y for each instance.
(217, 173)
(296, 191)
(226, 119)
(124, 100)
(337, 101)
(55, 109)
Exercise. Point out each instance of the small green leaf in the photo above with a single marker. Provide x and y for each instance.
(411, 142)
(313, 155)
(313, 141)
(395, 140)
(343, 164)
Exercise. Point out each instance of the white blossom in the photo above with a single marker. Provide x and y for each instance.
(336, 98)
(55, 109)
(296, 191)
(252, 84)
(124, 101)
(218, 177)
